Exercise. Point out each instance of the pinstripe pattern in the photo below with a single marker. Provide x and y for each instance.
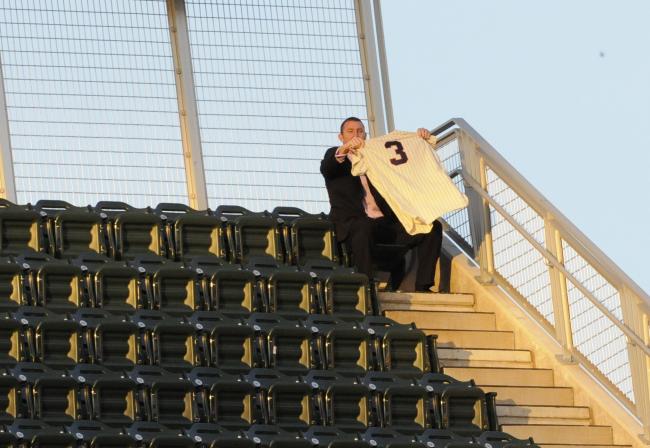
(411, 179)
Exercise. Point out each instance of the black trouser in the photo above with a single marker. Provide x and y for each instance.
(364, 233)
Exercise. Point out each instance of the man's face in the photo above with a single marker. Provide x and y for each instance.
(352, 129)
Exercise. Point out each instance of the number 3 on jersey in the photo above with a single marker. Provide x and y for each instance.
(399, 151)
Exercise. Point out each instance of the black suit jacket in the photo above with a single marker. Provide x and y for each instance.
(346, 194)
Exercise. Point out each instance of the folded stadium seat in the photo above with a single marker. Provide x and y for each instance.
(91, 433)
(343, 403)
(339, 345)
(222, 398)
(271, 436)
(445, 438)
(51, 338)
(399, 348)
(46, 394)
(459, 405)
(12, 287)
(53, 283)
(210, 435)
(224, 342)
(113, 285)
(307, 237)
(9, 404)
(284, 344)
(399, 404)
(193, 233)
(73, 231)
(155, 435)
(331, 437)
(37, 434)
(22, 229)
(167, 341)
(163, 397)
(387, 438)
(104, 395)
(282, 400)
(253, 237)
(497, 439)
(13, 346)
(8, 440)
(109, 340)
(132, 232)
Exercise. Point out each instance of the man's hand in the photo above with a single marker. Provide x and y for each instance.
(423, 133)
(352, 145)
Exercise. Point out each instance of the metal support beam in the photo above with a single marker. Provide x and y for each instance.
(383, 63)
(187, 108)
(7, 180)
(370, 67)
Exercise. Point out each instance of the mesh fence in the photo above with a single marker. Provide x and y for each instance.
(91, 101)
(273, 79)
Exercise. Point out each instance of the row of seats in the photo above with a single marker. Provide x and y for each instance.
(206, 435)
(174, 231)
(205, 338)
(259, 396)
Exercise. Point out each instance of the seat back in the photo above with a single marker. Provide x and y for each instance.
(21, 229)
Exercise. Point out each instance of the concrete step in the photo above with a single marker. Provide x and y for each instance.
(425, 301)
(543, 415)
(500, 340)
(445, 320)
(460, 357)
(532, 396)
(563, 434)
(500, 376)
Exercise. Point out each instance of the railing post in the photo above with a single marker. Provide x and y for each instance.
(370, 67)
(559, 291)
(637, 319)
(187, 108)
(478, 208)
(7, 180)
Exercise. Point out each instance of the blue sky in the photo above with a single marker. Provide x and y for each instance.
(561, 89)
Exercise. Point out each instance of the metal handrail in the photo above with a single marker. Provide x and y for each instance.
(477, 157)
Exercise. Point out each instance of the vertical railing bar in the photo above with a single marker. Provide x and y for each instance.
(370, 67)
(187, 107)
(383, 63)
(7, 179)
(487, 222)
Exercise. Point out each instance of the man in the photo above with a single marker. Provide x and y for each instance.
(363, 218)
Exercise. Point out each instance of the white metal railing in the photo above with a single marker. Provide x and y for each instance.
(525, 245)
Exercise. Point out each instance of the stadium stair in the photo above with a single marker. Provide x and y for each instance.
(475, 344)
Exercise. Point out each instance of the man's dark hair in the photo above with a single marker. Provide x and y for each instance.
(348, 120)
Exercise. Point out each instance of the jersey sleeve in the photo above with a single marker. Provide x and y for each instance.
(359, 164)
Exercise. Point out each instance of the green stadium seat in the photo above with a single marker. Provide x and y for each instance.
(192, 233)
(163, 397)
(12, 287)
(398, 403)
(169, 342)
(231, 290)
(9, 405)
(400, 349)
(104, 395)
(132, 232)
(342, 292)
(444, 438)
(331, 437)
(46, 394)
(91, 433)
(73, 231)
(222, 398)
(53, 283)
(285, 345)
(224, 342)
(13, 346)
(49, 338)
(271, 436)
(498, 439)
(210, 435)
(109, 340)
(343, 403)
(155, 435)
(459, 406)
(36, 433)
(388, 438)
(340, 345)
(286, 290)
(22, 229)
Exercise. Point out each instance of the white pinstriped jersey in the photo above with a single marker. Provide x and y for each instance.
(406, 171)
